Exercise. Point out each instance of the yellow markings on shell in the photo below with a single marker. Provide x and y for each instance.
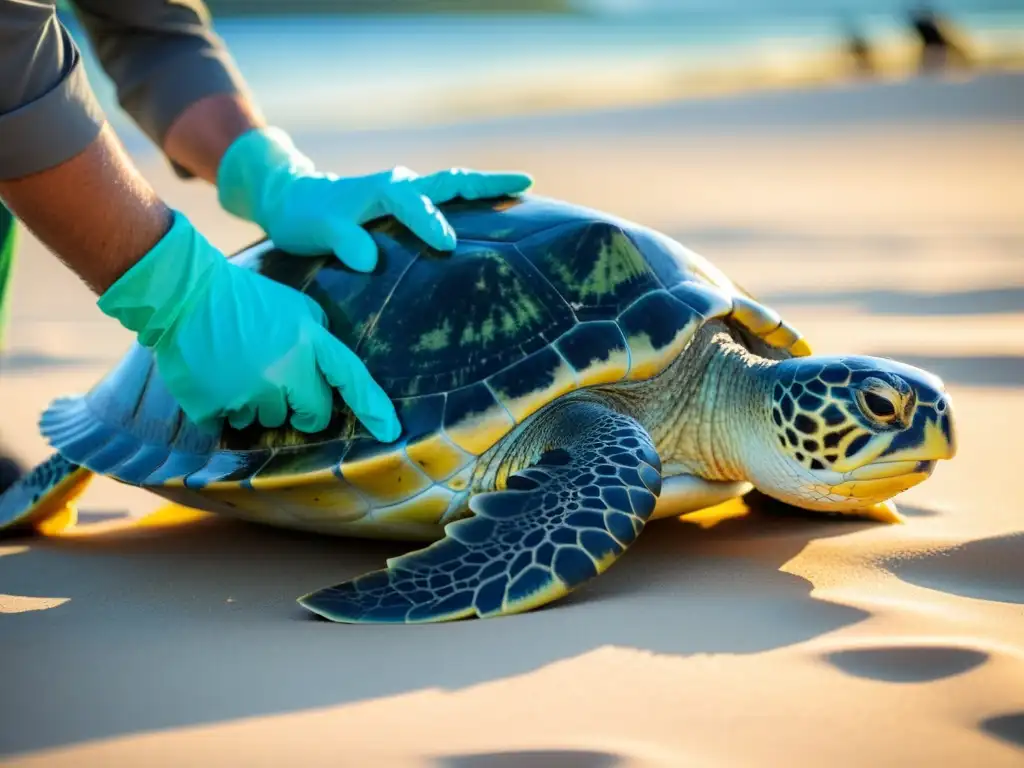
(428, 507)
(647, 362)
(438, 457)
(461, 481)
(609, 371)
(719, 303)
(479, 432)
(783, 337)
(522, 407)
(757, 318)
(331, 501)
(387, 478)
(57, 512)
(285, 481)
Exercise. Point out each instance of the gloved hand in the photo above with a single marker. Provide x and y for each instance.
(263, 178)
(231, 343)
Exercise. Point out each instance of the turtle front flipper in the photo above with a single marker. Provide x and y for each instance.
(559, 522)
(44, 499)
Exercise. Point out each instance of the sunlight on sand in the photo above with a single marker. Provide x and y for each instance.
(743, 637)
(21, 603)
(168, 516)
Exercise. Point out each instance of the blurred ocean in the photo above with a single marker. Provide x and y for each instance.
(343, 72)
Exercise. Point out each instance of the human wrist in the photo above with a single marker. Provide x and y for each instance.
(151, 294)
(250, 167)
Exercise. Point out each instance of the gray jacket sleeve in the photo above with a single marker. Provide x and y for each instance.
(161, 54)
(48, 113)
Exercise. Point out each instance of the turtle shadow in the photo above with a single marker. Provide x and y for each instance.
(198, 623)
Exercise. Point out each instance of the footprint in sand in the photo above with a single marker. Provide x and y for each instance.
(907, 663)
(987, 569)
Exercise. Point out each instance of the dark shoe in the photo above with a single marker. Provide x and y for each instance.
(10, 472)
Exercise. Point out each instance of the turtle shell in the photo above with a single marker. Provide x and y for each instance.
(540, 298)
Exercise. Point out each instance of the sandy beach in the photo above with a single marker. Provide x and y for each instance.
(883, 219)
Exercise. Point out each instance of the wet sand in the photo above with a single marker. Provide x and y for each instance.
(884, 219)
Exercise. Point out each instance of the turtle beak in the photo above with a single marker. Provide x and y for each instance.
(946, 422)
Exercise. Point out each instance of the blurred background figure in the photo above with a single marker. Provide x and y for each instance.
(857, 46)
(328, 65)
(940, 47)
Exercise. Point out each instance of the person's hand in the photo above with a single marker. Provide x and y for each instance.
(263, 178)
(231, 343)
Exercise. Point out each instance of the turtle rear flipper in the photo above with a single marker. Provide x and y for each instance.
(560, 522)
(44, 499)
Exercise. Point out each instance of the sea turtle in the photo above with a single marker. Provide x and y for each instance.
(562, 378)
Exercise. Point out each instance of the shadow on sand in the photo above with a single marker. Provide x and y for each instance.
(986, 569)
(1009, 728)
(28, 361)
(198, 623)
(533, 759)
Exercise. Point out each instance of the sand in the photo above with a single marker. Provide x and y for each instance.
(883, 219)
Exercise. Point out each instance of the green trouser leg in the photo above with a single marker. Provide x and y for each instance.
(8, 236)
(10, 470)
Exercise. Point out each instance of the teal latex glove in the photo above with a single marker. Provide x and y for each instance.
(263, 178)
(230, 343)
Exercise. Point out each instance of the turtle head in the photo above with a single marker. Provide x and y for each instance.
(849, 433)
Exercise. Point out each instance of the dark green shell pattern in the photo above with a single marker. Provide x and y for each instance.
(537, 290)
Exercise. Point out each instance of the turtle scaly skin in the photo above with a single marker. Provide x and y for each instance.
(562, 378)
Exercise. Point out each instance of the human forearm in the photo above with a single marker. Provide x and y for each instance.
(94, 211)
(198, 139)
(162, 55)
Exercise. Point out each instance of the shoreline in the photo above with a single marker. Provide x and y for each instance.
(564, 66)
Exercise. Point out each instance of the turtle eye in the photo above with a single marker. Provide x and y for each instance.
(877, 406)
